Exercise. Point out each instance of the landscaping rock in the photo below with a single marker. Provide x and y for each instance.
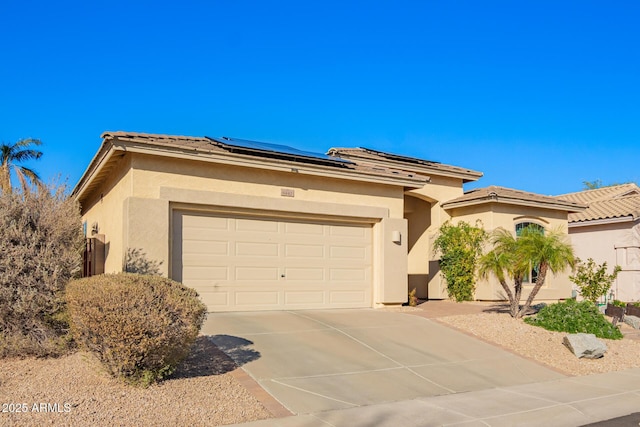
(632, 321)
(585, 345)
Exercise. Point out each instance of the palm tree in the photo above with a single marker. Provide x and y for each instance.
(503, 261)
(547, 251)
(10, 156)
(513, 257)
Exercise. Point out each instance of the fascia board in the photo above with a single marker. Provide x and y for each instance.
(274, 164)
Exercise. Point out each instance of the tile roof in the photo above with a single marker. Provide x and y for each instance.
(616, 201)
(495, 194)
(215, 147)
(406, 163)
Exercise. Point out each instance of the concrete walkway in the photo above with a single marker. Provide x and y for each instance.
(566, 402)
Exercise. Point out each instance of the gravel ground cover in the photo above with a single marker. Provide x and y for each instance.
(75, 391)
(545, 346)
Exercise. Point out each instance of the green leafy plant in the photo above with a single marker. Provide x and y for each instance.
(592, 280)
(618, 303)
(40, 251)
(140, 327)
(512, 257)
(460, 247)
(575, 317)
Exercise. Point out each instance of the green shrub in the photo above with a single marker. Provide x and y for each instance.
(140, 327)
(575, 317)
(40, 251)
(460, 247)
(618, 303)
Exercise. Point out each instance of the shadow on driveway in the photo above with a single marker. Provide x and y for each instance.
(216, 355)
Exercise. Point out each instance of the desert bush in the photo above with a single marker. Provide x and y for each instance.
(575, 317)
(40, 251)
(140, 327)
(592, 280)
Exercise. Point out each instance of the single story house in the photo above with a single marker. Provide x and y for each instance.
(257, 226)
(609, 231)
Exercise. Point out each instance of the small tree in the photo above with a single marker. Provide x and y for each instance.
(592, 280)
(513, 256)
(460, 247)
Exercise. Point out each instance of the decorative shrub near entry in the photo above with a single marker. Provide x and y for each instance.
(140, 327)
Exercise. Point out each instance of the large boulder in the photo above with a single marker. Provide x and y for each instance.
(632, 321)
(585, 345)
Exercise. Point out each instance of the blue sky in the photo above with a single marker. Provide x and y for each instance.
(538, 95)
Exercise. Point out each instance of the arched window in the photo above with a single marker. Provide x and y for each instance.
(522, 225)
(532, 276)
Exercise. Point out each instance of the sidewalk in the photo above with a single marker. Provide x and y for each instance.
(572, 401)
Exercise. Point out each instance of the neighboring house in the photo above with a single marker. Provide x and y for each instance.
(255, 226)
(609, 231)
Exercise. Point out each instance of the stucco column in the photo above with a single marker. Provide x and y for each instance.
(391, 265)
(146, 234)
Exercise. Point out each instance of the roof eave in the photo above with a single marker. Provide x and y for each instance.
(111, 144)
(467, 175)
(602, 221)
(511, 201)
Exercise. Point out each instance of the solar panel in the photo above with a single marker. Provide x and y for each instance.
(278, 149)
(398, 157)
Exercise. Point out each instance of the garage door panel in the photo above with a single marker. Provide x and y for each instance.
(256, 225)
(348, 231)
(215, 299)
(305, 274)
(204, 234)
(244, 263)
(352, 252)
(205, 222)
(303, 251)
(200, 247)
(304, 229)
(348, 297)
(208, 273)
(347, 274)
(257, 249)
(256, 273)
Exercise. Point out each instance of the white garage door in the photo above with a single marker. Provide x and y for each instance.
(251, 263)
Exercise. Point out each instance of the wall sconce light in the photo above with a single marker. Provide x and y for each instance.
(396, 237)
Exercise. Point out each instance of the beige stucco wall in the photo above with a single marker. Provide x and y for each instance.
(138, 202)
(496, 215)
(151, 173)
(105, 207)
(424, 212)
(615, 244)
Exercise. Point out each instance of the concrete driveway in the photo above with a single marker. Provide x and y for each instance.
(320, 360)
